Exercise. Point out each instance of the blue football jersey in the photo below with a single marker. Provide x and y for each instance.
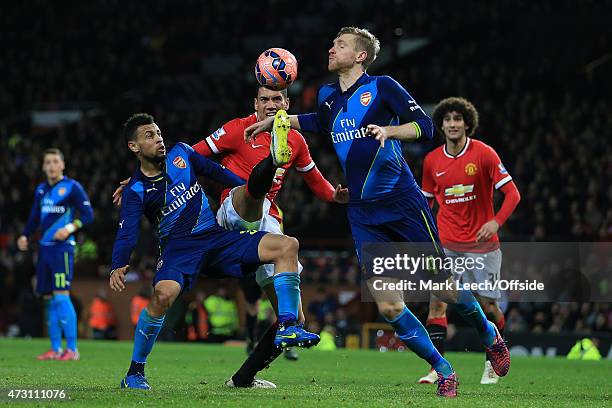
(372, 172)
(173, 201)
(54, 207)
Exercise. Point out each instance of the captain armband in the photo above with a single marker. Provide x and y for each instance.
(417, 128)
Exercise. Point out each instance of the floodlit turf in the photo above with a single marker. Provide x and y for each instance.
(193, 375)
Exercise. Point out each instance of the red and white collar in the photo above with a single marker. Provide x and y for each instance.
(461, 153)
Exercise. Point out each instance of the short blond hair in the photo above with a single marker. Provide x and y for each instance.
(365, 41)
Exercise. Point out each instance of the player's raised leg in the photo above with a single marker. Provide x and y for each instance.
(147, 329)
(412, 332)
(282, 251)
(248, 200)
(279, 147)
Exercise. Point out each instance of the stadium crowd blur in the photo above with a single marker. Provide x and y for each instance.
(535, 71)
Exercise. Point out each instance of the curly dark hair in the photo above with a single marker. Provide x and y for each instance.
(457, 104)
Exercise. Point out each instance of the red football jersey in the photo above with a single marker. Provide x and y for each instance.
(240, 157)
(463, 187)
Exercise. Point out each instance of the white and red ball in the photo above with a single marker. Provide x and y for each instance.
(276, 68)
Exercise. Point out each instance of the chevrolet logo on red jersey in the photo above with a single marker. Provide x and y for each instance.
(365, 98)
(179, 162)
(458, 190)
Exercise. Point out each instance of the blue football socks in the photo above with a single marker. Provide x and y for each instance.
(53, 325)
(410, 330)
(67, 319)
(287, 287)
(467, 306)
(146, 332)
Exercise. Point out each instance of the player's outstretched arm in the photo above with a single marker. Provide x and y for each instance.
(414, 121)
(407, 132)
(213, 170)
(266, 125)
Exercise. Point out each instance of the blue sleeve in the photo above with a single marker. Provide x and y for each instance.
(309, 122)
(318, 122)
(132, 208)
(208, 168)
(34, 218)
(404, 106)
(82, 203)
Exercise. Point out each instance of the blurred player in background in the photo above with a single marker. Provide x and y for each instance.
(461, 176)
(56, 203)
(166, 190)
(386, 204)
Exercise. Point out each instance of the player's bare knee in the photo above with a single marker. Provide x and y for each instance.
(290, 247)
(293, 245)
(161, 302)
(390, 310)
(437, 309)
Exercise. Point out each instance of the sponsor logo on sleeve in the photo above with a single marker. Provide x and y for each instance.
(502, 169)
(218, 133)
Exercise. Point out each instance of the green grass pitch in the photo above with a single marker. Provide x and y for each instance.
(193, 375)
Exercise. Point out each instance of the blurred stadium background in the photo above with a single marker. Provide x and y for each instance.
(539, 73)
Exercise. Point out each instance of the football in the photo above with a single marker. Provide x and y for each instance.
(276, 68)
